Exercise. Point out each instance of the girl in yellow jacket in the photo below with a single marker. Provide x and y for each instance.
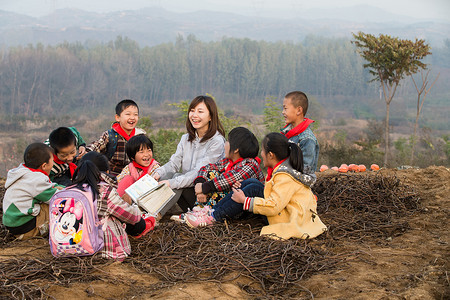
(288, 203)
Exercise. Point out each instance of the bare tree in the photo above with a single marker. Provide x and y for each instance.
(422, 90)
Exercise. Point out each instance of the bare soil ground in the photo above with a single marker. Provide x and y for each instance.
(413, 264)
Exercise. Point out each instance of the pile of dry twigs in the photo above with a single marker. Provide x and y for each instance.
(354, 207)
(362, 207)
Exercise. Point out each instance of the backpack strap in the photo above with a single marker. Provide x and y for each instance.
(133, 171)
(112, 143)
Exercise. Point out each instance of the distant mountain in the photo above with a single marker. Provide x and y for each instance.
(360, 14)
(152, 26)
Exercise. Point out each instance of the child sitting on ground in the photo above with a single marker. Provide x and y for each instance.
(139, 150)
(112, 142)
(28, 190)
(112, 209)
(67, 144)
(288, 203)
(298, 131)
(214, 181)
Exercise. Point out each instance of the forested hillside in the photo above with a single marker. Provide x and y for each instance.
(72, 77)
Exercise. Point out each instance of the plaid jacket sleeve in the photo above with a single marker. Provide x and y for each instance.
(120, 209)
(218, 166)
(100, 144)
(247, 168)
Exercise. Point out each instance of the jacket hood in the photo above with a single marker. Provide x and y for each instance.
(15, 174)
(286, 167)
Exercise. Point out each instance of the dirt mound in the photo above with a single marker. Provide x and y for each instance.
(387, 239)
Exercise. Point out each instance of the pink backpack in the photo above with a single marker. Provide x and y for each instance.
(74, 227)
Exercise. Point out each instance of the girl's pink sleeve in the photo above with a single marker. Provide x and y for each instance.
(124, 184)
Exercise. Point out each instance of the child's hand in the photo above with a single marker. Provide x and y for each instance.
(81, 152)
(198, 188)
(127, 199)
(156, 176)
(237, 184)
(201, 198)
(238, 196)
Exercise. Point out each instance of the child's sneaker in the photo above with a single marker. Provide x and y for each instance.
(196, 220)
(149, 225)
(179, 218)
(205, 210)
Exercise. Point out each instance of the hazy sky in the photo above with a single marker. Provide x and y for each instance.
(428, 9)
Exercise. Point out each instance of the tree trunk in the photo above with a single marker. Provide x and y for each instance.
(386, 146)
(411, 161)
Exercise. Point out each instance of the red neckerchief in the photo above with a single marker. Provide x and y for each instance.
(72, 166)
(299, 128)
(232, 164)
(270, 170)
(37, 170)
(145, 169)
(119, 130)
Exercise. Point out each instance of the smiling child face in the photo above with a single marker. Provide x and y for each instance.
(144, 156)
(128, 118)
(67, 154)
(292, 115)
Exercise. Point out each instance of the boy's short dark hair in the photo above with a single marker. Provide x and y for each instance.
(100, 160)
(122, 105)
(61, 137)
(245, 141)
(36, 154)
(135, 143)
(298, 99)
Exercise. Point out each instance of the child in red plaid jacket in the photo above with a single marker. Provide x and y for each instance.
(216, 180)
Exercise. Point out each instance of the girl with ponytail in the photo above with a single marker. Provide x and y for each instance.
(288, 203)
(112, 210)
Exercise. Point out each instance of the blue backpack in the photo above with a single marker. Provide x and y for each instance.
(112, 143)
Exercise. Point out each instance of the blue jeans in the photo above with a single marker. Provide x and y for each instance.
(227, 208)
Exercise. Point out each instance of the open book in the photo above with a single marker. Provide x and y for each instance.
(149, 194)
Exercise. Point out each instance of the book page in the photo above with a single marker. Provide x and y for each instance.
(156, 200)
(141, 187)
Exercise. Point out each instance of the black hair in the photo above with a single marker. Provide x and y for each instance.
(245, 141)
(36, 154)
(89, 169)
(298, 99)
(280, 146)
(122, 105)
(87, 173)
(100, 160)
(61, 137)
(135, 143)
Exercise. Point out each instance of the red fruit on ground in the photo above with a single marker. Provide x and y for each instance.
(374, 167)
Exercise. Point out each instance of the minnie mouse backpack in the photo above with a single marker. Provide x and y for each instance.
(74, 228)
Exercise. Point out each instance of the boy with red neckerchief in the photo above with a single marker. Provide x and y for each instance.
(28, 190)
(298, 130)
(214, 182)
(113, 141)
(67, 145)
(139, 150)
